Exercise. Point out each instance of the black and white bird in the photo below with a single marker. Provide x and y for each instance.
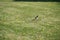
(36, 18)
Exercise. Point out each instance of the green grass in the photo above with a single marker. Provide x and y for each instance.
(6, 0)
(16, 21)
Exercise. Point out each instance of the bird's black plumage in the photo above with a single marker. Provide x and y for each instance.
(36, 17)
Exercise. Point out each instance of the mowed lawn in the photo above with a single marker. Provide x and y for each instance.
(16, 21)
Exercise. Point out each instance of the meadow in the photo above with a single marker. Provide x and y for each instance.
(16, 21)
